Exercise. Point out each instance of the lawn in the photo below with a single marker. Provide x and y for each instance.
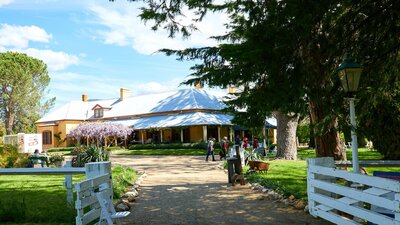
(163, 152)
(41, 199)
(290, 177)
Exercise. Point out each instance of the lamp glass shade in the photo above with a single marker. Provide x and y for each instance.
(349, 74)
(350, 77)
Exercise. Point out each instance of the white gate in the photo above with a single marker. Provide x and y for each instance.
(347, 198)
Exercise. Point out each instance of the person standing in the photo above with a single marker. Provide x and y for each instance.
(255, 145)
(224, 148)
(210, 148)
(245, 142)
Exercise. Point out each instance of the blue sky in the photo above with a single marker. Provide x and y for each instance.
(97, 47)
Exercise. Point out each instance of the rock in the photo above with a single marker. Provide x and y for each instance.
(133, 193)
(299, 205)
(285, 201)
(264, 190)
(125, 201)
(306, 209)
(122, 207)
(277, 196)
(135, 186)
(131, 199)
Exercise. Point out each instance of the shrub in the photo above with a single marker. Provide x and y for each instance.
(61, 149)
(55, 158)
(91, 153)
(11, 158)
(199, 145)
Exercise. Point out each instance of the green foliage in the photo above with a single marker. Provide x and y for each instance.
(56, 158)
(122, 178)
(381, 122)
(164, 152)
(60, 140)
(303, 132)
(284, 56)
(252, 156)
(63, 150)
(23, 80)
(91, 153)
(10, 158)
(199, 145)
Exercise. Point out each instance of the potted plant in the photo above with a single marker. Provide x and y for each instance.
(56, 159)
(255, 161)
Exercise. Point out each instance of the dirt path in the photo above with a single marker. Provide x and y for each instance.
(186, 190)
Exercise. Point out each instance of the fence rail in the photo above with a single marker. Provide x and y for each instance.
(370, 163)
(328, 198)
(41, 171)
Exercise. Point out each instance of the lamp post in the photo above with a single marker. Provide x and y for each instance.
(349, 74)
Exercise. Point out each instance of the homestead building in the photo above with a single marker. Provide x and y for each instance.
(185, 115)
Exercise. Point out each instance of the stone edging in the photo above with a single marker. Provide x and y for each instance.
(129, 197)
(273, 195)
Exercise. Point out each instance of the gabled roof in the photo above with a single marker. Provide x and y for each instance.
(175, 101)
(97, 106)
(178, 120)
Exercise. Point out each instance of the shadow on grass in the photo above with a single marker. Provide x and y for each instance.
(33, 206)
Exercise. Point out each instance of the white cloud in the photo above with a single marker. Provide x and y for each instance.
(5, 2)
(20, 36)
(123, 27)
(55, 60)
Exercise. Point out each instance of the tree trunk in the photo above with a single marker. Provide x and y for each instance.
(327, 141)
(8, 115)
(286, 139)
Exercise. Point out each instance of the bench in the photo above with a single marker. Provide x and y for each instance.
(39, 160)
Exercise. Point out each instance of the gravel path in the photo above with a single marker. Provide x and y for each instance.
(186, 190)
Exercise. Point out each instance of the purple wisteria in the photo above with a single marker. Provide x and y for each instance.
(99, 131)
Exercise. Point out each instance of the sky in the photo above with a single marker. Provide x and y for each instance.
(95, 47)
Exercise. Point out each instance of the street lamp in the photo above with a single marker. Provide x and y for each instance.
(349, 74)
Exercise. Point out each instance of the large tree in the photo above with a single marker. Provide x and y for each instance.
(23, 82)
(284, 53)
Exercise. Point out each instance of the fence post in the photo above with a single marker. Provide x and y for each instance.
(323, 161)
(97, 169)
(396, 213)
(68, 184)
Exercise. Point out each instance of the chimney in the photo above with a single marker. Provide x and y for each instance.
(84, 97)
(198, 86)
(124, 93)
(231, 89)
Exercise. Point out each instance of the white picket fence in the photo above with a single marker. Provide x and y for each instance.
(333, 191)
(98, 179)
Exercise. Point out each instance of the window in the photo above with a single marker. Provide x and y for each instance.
(47, 137)
(98, 113)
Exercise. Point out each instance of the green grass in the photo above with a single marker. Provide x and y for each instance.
(363, 154)
(41, 199)
(284, 176)
(164, 152)
(290, 177)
